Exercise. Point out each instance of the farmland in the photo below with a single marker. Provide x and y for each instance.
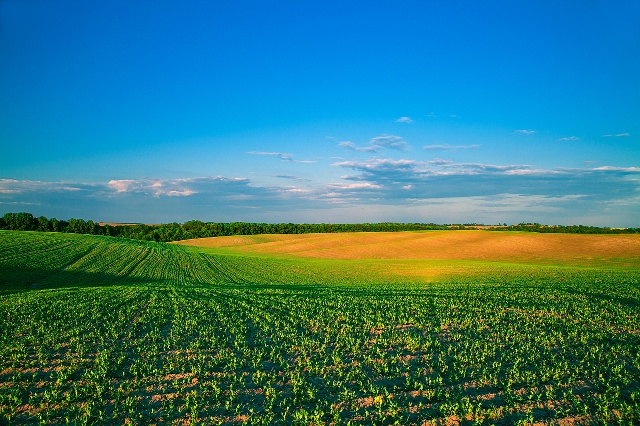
(446, 327)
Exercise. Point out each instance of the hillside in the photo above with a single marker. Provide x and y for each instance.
(502, 246)
(100, 330)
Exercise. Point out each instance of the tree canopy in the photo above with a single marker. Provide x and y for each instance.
(197, 229)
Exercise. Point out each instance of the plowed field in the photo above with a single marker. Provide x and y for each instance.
(566, 249)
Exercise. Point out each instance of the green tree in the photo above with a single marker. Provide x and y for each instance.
(20, 221)
(43, 224)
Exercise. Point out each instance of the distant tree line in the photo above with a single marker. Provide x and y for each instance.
(566, 229)
(198, 229)
(193, 228)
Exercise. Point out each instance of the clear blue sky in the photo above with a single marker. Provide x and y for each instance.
(332, 111)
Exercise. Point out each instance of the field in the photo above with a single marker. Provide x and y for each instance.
(454, 327)
(521, 247)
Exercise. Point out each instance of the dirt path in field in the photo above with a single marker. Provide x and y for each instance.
(454, 245)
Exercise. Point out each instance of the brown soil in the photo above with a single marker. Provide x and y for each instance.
(451, 245)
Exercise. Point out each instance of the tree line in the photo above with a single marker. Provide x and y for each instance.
(566, 229)
(198, 229)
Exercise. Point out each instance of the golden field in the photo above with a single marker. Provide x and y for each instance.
(498, 246)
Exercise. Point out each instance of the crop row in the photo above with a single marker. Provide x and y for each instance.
(161, 334)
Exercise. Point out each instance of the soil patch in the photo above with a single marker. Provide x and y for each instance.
(478, 245)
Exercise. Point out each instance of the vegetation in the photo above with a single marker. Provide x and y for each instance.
(197, 229)
(97, 330)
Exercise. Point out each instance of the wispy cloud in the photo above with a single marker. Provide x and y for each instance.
(445, 178)
(353, 147)
(289, 177)
(447, 147)
(379, 164)
(389, 189)
(526, 131)
(280, 155)
(619, 169)
(390, 142)
(415, 174)
(619, 135)
(171, 187)
(404, 120)
(570, 138)
(378, 143)
(434, 115)
(152, 200)
(15, 186)
(354, 186)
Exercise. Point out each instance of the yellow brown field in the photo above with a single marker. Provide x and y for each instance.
(476, 245)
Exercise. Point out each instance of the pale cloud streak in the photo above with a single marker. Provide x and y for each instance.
(526, 131)
(569, 139)
(15, 186)
(447, 147)
(397, 189)
(619, 135)
(280, 155)
(353, 147)
(289, 177)
(352, 186)
(404, 120)
(379, 143)
(445, 178)
(160, 187)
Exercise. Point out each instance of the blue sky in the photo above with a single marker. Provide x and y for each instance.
(411, 111)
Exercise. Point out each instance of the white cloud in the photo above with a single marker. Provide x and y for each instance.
(175, 187)
(353, 147)
(155, 187)
(378, 164)
(294, 190)
(526, 131)
(447, 179)
(181, 193)
(404, 120)
(120, 185)
(619, 135)
(14, 186)
(280, 155)
(289, 177)
(618, 169)
(447, 147)
(389, 141)
(349, 186)
(378, 143)
(397, 189)
(570, 138)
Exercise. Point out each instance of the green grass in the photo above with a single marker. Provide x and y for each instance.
(95, 330)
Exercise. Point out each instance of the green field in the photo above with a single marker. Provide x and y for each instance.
(98, 330)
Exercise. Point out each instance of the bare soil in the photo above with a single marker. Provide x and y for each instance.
(478, 245)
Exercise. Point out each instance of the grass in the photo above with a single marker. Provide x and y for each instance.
(96, 330)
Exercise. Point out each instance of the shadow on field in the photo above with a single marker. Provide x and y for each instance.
(20, 279)
(611, 298)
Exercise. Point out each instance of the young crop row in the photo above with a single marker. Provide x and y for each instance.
(160, 334)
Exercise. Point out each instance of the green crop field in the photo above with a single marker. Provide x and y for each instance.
(99, 330)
